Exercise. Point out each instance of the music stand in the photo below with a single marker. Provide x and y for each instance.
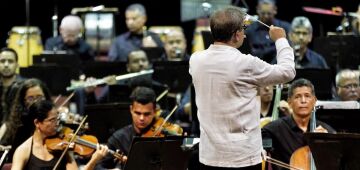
(71, 60)
(208, 40)
(157, 154)
(323, 80)
(340, 51)
(105, 119)
(154, 53)
(100, 69)
(57, 78)
(173, 73)
(342, 120)
(335, 151)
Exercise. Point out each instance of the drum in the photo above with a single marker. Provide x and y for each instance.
(26, 41)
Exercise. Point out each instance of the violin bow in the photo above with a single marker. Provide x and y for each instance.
(57, 99)
(165, 120)
(162, 95)
(71, 141)
(66, 100)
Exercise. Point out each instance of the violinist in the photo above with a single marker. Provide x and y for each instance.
(33, 153)
(287, 133)
(142, 109)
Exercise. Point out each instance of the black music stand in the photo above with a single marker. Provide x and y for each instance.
(208, 40)
(100, 69)
(157, 154)
(56, 77)
(71, 60)
(340, 51)
(323, 80)
(335, 151)
(173, 73)
(154, 53)
(342, 120)
(105, 119)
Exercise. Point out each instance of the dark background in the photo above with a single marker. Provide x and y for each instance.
(160, 12)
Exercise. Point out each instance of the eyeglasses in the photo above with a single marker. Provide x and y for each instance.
(52, 120)
(349, 86)
(32, 99)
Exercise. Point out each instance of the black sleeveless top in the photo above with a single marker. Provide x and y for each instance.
(34, 163)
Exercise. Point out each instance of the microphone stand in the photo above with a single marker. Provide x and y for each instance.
(27, 31)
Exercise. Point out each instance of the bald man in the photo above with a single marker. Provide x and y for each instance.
(70, 39)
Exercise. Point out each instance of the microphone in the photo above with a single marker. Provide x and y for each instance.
(297, 50)
(178, 53)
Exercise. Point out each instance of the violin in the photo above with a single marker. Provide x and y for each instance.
(85, 145)
(161, 127)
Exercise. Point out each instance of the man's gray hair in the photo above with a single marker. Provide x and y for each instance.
(301, 21)
(137, 7)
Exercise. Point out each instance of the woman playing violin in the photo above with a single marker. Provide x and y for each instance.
(287, 133)
(33, 153)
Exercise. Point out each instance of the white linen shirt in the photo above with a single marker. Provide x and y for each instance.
(225, 82)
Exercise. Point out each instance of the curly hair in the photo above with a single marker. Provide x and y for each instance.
(19, 108)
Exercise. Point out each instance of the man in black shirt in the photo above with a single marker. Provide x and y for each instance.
(9, 81)
(142, 112)
(70, 39)
(287, 133)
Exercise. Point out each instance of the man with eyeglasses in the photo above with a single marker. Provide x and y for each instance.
(257, 34)
(300, 36)
(226, 83)
(347, 85)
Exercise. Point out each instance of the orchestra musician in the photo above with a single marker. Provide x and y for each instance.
(347, 85)
(175, 46)
(257, 35)
(19, 122)
(143, 113)
(9, 81)
(287, 133)
(34, 154)
(136, 37)
(226, 83)
(300, 35)
(70, 39)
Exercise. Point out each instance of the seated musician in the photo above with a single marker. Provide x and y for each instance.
(175, 46)
(70, 39)
(347, 86)
(33, 153)
(137, 61)
(142, 111)
(287, 132)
